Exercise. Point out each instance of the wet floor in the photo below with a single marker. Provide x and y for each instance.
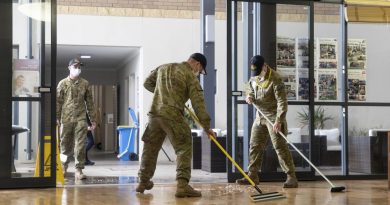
(359, 192)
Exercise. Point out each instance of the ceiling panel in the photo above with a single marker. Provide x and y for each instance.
(102, 57)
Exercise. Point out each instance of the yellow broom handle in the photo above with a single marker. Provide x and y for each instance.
(221, 148)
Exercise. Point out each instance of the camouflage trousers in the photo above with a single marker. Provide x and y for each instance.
(73, 141)
(179, 134)
(261, 129)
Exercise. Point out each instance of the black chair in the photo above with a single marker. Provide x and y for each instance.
(16, 129)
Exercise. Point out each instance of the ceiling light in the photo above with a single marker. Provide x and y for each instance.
(85, 57)
(39, 11)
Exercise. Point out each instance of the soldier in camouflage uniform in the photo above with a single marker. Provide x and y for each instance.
(173, 85)
(74, 98)
(267, 92)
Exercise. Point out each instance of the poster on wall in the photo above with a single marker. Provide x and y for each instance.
(304, 83)
(327, 84)
(289, 78)
(25, 77)
(303, 86)
(356, 53)
(357, 85)
(328, 53)
(285, 52)
(303, 53)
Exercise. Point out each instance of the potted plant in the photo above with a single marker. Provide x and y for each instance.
(320, 117)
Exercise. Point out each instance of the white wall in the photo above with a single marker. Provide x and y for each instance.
(128, 95)
(378, 58)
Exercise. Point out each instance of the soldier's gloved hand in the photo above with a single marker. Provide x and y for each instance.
(249, 99)
(277, 126)
(210, 132)
(58, 123)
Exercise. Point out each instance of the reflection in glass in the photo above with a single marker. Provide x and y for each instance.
(367, 140)
(25, 142)
(327, 139)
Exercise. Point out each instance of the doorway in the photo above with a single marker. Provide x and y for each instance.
(260, 33)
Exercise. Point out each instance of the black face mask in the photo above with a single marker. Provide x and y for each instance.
(255, 72)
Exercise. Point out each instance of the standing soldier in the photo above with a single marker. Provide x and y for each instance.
(266, 91)
(173, 84)
(74, 99)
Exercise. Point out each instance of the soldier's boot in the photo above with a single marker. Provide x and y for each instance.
(144, 185)
(79, 174)
(291, 181)
(64, 169)
(185, 190)
(244, 181)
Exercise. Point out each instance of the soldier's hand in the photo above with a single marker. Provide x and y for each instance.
(211, 133)
(58, 123)
(93, 125)
(249, 100)
(277, 127)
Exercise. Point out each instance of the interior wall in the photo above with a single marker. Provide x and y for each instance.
(109, 118)
(128, 72)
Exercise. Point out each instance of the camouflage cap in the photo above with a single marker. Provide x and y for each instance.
(76, 61)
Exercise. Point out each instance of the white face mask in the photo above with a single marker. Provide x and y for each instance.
(74, 72)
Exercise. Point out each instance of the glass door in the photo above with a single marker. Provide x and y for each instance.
(284, 40)
(28, 52)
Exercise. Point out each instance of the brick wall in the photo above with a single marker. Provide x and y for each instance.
(180, 8)
(193, 5)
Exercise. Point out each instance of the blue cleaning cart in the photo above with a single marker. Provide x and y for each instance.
(127, 135)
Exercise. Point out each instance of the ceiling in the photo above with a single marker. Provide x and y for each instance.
(102, 57)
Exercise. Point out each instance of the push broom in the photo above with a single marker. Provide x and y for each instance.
(256, 198)
(334, 188)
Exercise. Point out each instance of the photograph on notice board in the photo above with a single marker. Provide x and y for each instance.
(303, 53)
(285, 52)
(327, 84)
(328, 53)
(289, 79)
(357, 85)
(356, 54)
(304, 83)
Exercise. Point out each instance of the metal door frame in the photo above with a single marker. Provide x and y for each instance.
(233, 102)
(6, 99)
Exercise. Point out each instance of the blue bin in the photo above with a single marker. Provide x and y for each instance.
(127, 135)
(126, 142)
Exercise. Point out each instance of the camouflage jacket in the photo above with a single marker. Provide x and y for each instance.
(173, 84)
(269, 94)
(74, 98)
